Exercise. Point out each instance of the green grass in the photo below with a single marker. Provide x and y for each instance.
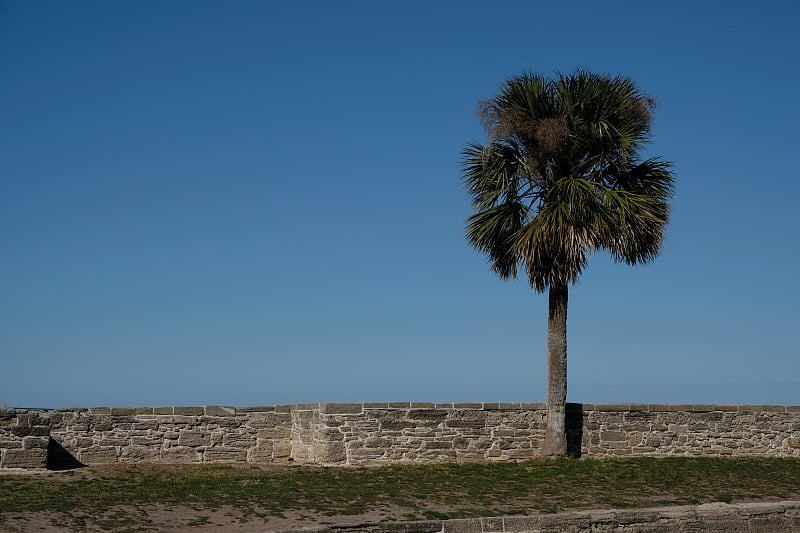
(112, 498)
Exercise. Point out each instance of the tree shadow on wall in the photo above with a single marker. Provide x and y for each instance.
(58, 458)
(574, 426)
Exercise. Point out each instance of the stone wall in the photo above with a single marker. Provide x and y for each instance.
(211, 434)
(383, 433)
(690, 430)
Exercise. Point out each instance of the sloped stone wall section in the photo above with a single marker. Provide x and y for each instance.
(386, 433)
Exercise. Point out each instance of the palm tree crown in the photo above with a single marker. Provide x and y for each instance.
(561, 177)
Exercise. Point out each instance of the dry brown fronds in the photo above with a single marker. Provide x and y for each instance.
(550, 134)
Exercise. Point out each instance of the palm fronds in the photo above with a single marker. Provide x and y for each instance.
(560, 177)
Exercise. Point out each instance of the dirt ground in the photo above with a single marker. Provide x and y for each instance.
(186, 519)
(181, 519)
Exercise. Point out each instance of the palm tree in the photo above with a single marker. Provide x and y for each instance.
(559, 178)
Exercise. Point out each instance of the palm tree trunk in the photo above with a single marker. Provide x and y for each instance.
(555, 437)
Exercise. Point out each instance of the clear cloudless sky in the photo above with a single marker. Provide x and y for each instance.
(250, 203)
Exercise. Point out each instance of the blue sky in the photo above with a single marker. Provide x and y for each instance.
(254, 202)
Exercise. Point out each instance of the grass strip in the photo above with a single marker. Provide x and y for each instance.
(101, 495)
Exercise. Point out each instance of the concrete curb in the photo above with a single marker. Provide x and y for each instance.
(763, 517)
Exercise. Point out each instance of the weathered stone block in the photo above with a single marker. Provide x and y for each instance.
(189, 411)
(638, 426)
(35, 442)
(329, 433)
(465, 525)
(427, 414)
(392, 424)
(532, 406)
(473, 420)
(36, 431)
(193, 438)
(612, 407)
(610, 436)
(214, 422)
(101, 423)
(224, 455)
(21, 458)
(281, 449)
(304, 418)
(178, 420)
(707, 416)
(749, 408)
(330, 452)
(467, 405)
(639, 416)
(268, 420)
(180, 455)
(376, 405)
(377, 442)
(139, 453)
(219, 410)
(256, 409)
(460, 443)
(144, 425)
(773, 409)
(360, 451)
(275, 433)
(237, 440)
(260, 454)
(341, 408)
(98, 455)
(678, 429)
(520, 454)
(438, 445)
(131, 411)
(142, 440)
(428, 526)
(105, 440)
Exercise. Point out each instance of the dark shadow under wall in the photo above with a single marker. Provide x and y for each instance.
(58, 458)
(574, 426)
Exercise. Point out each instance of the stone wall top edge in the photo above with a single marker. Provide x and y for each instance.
(353, 407)
(691, 408)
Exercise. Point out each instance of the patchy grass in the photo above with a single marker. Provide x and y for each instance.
(122, 497)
